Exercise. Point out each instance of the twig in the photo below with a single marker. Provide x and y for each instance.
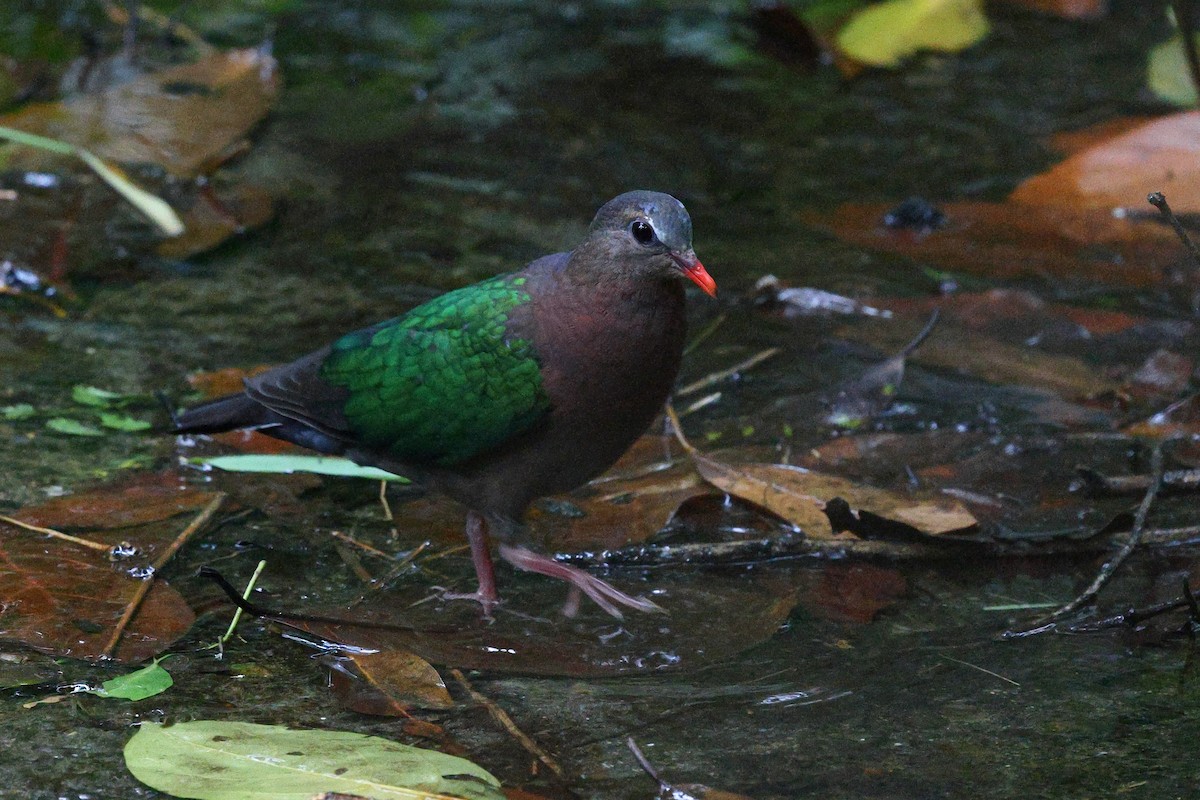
(506, 722)
(237, 614)
(720, 375)
(143, 587)
(355, 563)
(375, 551)
(1159, 201)
(1110, 567)
(644, 763)
(56, 534)
(708, 331)
(1176, 480)
(981, 669)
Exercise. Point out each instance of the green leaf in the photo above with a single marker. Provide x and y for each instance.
(145, 682)
(883, 34)
(96, 398)
(18, 411)
(211, 760)
(1168, 75)
(121, 422)
(72, 427)
(287, 464)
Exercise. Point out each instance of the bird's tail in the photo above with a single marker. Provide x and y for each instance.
(223, 414)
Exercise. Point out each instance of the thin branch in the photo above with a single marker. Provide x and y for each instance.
(1110, 567)
(505, 721)
(720, 375)
(66, 537)
(143, 587)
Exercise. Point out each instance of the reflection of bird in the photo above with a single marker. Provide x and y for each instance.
(523, 385)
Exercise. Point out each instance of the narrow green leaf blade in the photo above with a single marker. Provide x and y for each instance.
(93, 396)
(286, 464)
(215, 760)
(72, 427)
(121, 422)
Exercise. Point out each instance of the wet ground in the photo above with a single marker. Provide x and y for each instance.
(417, 150)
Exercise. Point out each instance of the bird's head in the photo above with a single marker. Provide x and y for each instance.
(649, 233)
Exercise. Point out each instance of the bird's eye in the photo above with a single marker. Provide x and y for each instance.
(642, 231)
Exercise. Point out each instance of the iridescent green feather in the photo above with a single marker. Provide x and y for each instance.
(444, 382)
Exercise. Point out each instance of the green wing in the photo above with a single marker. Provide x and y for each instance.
(444, 382)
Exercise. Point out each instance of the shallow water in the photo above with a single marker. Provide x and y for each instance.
(419, 150)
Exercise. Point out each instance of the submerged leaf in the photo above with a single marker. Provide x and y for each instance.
(17, 411)
(121, 422)
(72, 427)
(214, 760)
(803, 498)
(145, 682)
(92, 396)
(389, 683)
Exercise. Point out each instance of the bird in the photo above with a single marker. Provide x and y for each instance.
(527, 384)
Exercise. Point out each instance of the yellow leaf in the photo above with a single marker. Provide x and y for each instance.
(883, 34)
(1168, 75)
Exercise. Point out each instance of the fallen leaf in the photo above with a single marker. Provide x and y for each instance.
(146, 682)
(1008, 241)
(389, 683)
(885, 33)
(221, 382)
(1168, 75)
(217, 760)
(801, 497)
(138, 500)
(856, 592)
(65, 599)
(1162, 155)
(709, 622)
(214, 217)
(72, 427)
(184, 119)
(288, 464)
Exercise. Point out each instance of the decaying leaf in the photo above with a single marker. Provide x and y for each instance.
(390, 683)
(1021, 240)
(217, 760)
(66, 599)
(802, 498)
(185, 119)
(1161, 155)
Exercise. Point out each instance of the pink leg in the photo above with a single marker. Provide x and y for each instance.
(481, 557)
(602, 593)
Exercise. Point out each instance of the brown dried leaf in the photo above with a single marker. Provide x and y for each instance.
(708, 622)
(391, 682)
(1012, 240)
(212, 219)
(1161, 155)
(65, 599)
(801, 497)
(143, 499)
(186, 119)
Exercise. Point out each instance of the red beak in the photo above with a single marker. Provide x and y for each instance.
(695, 271)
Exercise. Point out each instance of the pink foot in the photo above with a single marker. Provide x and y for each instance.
(602, 593)
(481, 557)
